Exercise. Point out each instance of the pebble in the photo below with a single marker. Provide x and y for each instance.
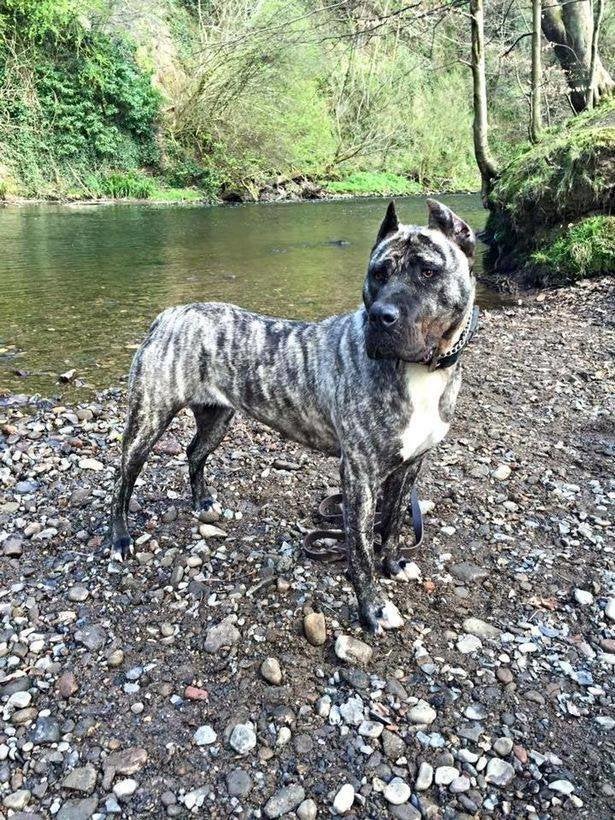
(468, 644)
(46, 730)
(561, 786)
(445, 775)
(468, 573)
(397, 792)
(424, 777)
(67, 685)
(504, 675)
(353, 650)
(17, 800)
(344, 799)
(307, 810)
(78, 594)
(82, 779)
(315, 628)
(609, 609)
(125, 788)
(371, 728)
(115, 658)
(284, 801)
(422, 713)
(481, 629)
(12, 548)
(224, 634)
(239, 783)
(92, 636)
(204, 736)
(503, 746)
(78, 809)
(243, 738)
(271, 671)
(583, 597)
(502, 472)
(499, 772)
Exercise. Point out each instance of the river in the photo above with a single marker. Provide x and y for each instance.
(80, 284)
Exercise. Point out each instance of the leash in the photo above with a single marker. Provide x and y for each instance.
(327, 545)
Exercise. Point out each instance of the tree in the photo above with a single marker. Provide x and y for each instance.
(535, 114)
(484, 160)
(569, 25)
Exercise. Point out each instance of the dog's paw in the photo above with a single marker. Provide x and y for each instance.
(381, 616)
(208, 510)
(401, 570)
(122, 549)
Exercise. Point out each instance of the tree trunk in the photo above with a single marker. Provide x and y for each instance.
(569, 26)
(484, 160)
(535, 115)
(593, 94)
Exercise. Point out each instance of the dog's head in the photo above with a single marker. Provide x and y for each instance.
(419, 287)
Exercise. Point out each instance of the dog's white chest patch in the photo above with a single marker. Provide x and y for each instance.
(425, 427)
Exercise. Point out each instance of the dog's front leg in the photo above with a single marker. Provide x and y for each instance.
(395, 499)
(376, 612)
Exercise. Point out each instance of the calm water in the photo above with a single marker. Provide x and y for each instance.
(80, 285)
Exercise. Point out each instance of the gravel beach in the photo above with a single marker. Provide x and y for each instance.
(221, 673)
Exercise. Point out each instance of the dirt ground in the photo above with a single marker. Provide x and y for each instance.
(137, 690)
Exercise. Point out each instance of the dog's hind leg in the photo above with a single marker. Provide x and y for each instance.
(395, 499)
(212, 422)
(143, 429)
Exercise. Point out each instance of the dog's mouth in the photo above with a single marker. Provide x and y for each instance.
(386, 349)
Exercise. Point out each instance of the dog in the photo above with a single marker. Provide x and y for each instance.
(376, 388)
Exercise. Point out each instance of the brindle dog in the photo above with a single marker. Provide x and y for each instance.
(365, 387)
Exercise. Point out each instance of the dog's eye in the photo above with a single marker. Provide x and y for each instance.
(428, 272)
(381, 274)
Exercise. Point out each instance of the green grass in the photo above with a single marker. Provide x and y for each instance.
(375, 183)
(584, 249)
(178, 195)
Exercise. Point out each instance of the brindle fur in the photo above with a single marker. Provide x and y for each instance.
(341, 386)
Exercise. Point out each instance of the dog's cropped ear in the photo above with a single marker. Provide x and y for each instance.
(389, 225)
(452, 226)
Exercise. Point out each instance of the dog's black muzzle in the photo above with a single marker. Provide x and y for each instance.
(391, 334)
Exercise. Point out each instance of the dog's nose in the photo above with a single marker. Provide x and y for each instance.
(383, 314)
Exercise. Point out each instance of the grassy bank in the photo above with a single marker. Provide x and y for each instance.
(551, 220)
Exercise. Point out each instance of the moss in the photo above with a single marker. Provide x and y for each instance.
(585, 248)
(549, 218)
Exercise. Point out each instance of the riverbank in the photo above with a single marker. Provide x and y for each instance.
(122, 685)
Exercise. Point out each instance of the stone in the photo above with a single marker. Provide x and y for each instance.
(46, 730)
(238, 783)
(422, 713)
(504, 675)
(93, 636)
(125, 788)
(17, 800)
(78, 809)
(82, 779)
(397, 792)
(499, 772)
(12, 548)
(468, 644)
(445, 775)
(204, 736)
(115, 658)
(211, 531)
(460, 784)
(481, 629)
(424, 777)
(315, 628)
(195, 798)
(468, 573)
(222, 635)
(393, 745)
(371, 728)
(561, 786)
(78, 594)
(243, 738)
(195, 693)
(609, 609)
(583, 597)
(128, 761)
(344, 799)
(271, 671)
(91, 464)
(503, 746)
(353, 650)
(67, 685)
(502, 472)
(307, 810)
(284, 800)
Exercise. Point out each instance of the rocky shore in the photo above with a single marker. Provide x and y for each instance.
(220, 673)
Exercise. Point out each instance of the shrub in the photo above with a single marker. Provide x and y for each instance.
(584, 249)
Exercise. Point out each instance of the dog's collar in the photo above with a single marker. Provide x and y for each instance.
(452, 355)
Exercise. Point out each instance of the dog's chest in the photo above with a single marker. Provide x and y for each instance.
(425, 427)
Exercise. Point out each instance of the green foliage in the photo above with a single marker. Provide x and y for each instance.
(586, 248)
(73, 98)
(374, 183)
(126, 185)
